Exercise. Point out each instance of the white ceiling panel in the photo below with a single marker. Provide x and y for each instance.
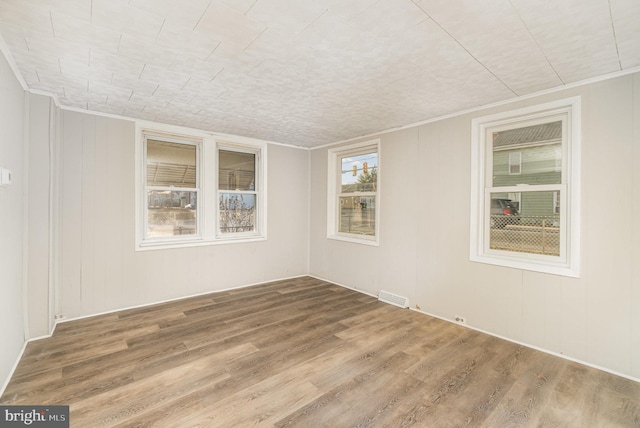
(625, 15)
(311, 72)
(576, 36)
(182, 13)
(498, 39)
(291, 16)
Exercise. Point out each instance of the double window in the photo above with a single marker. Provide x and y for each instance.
(525, 192)
(197, 190)
(353, 197)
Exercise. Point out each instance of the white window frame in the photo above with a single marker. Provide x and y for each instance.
(516, 164)
(334, 182)
(207, 184)
(146, 135)
(258, 152)
(568, 262)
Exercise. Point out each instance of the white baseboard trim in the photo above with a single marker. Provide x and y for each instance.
(343, 286)
(173, 299)
(537, 348)
(13, 369)
(63, 320)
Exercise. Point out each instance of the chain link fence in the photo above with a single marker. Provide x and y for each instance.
(525, 234)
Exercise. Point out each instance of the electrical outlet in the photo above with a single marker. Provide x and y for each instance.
(5, 177)
(461, 320)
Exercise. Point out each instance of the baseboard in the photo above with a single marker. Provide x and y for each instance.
(174, 299)
(546, 351)
(342, 285)
(13, 369)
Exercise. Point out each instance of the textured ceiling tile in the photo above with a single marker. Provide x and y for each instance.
(346, 9)
(626, 22)
(167, 78)
(230, 26)
(114, 63)
(78, 8)
(29, 16)
(73, 31)
(498, 39)
(310, 72)
(145, 50)
(120, 16)
(185, 13)
(397, 16)
(48, 82)
(187, 42)
(241, 6)
(290, 16)
(576, 36)
(139, 87)
(197, 69)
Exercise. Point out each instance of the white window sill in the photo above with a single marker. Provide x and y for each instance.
(558, 268)
(371, 241)
(196, 242)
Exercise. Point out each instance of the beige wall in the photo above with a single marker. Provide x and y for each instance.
(41, 109)
(101, 271)
(424, 238)
(12, 223)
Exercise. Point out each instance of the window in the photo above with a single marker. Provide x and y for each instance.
(237, 191)
(525, 167)
(515, 163)
(171, 187)
(196, 190)
(353, 196)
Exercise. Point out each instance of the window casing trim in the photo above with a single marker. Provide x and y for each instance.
(146, 135)
(207, 216)
(568, 263)
(259, 178)
(334, 192)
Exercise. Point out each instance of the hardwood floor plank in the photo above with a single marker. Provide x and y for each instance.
(306, 353)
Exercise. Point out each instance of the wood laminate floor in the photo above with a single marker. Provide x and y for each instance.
(306, 353)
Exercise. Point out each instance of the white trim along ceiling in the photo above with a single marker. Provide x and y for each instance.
(309, 73)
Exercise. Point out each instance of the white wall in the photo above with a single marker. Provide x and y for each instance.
(40, 317)
(12, 223)
(424, 238)
(100, 271)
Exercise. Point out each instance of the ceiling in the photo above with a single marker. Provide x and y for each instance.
(311, 72)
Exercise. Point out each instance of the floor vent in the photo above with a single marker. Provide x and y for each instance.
(393, 299)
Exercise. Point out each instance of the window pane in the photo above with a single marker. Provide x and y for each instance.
(236, 170)
(531, 225)
(171, 164)
(237, 212)
(529, 155)
(171, 212)
(359, 173)
(357, 215)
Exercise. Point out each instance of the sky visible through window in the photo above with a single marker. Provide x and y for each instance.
(371, 159)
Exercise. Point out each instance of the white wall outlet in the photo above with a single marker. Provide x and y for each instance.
(461, 320)
(5, 177)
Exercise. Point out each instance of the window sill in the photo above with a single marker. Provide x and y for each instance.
(554, 268)
(196, 242)
(371, 241)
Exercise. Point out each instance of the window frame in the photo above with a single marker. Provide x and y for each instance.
(334, 192)
(568, 262)
(518, 164)
(146, 187)
(258, 178)
(208, 207)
